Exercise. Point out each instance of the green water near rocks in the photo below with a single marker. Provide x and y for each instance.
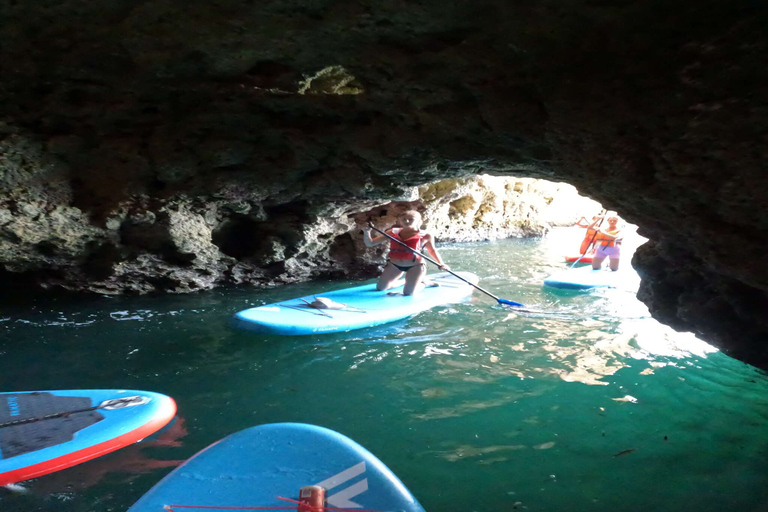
(589, 406)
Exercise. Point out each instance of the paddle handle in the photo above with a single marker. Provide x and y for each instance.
(497, 299)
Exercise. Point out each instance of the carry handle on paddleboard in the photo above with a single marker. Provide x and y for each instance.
(504, 302)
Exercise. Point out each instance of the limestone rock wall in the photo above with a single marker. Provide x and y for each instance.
(181, 243)
(493, 207)
(469, 209)
(488, 207)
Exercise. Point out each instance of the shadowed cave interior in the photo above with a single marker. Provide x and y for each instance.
(176, 146)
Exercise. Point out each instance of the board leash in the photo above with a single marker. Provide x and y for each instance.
(306, 310)
(309, 304)
(351, 309)
(114, 403)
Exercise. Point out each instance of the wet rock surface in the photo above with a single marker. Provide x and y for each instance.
(171, 146)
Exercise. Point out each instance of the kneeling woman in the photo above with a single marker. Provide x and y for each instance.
(402, 260)
(608, 243)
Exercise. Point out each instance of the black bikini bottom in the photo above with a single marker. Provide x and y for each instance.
(402, 268)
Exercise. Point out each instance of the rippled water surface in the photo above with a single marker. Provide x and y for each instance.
(588, 406)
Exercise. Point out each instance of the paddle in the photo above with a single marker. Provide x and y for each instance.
(594, 235)
(501, 301)
(114, 403)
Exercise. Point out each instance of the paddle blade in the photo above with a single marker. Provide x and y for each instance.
(506, 302)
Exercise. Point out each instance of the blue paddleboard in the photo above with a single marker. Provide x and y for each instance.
(585, 278)
(46, 431)
(254, 467)
(365, 307)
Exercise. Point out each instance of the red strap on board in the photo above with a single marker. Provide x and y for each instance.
(214, 507)
(169, 508)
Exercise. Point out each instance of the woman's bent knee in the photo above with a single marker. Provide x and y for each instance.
(384, 285)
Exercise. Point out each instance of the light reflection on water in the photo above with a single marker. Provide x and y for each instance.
(585, 405)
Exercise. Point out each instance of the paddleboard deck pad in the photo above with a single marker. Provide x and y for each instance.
(585, 278)
(46, 431)
(364, 306)
(256, 466)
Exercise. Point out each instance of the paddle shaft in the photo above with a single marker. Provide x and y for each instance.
(501, 301)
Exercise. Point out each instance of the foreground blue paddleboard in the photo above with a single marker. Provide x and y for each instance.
(366, 305)
(255, 466)
(46, 431)
(584, 278)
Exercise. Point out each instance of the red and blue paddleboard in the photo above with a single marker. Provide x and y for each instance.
(581, 259)
(46, 431)
(269, 465)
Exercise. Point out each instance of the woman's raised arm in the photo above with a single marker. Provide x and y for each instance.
(370, 241)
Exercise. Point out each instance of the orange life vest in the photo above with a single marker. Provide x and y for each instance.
(607, 242)
(587, 240)
(398, 252)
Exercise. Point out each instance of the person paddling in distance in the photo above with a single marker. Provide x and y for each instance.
(608, 242)
(401, 260)
(589, 237)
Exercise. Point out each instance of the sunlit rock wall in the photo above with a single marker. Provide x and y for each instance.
(488, 208)
(492, 207)
(474, 209)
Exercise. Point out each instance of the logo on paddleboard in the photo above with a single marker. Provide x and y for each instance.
(343, 498)
(13, 405)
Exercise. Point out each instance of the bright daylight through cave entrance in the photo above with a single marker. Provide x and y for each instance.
(480, 336)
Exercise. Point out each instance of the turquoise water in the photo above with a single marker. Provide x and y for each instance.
(588, 406)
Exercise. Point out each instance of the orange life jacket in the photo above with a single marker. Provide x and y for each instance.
(398, 252)
(587, 240)
(607, 242)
